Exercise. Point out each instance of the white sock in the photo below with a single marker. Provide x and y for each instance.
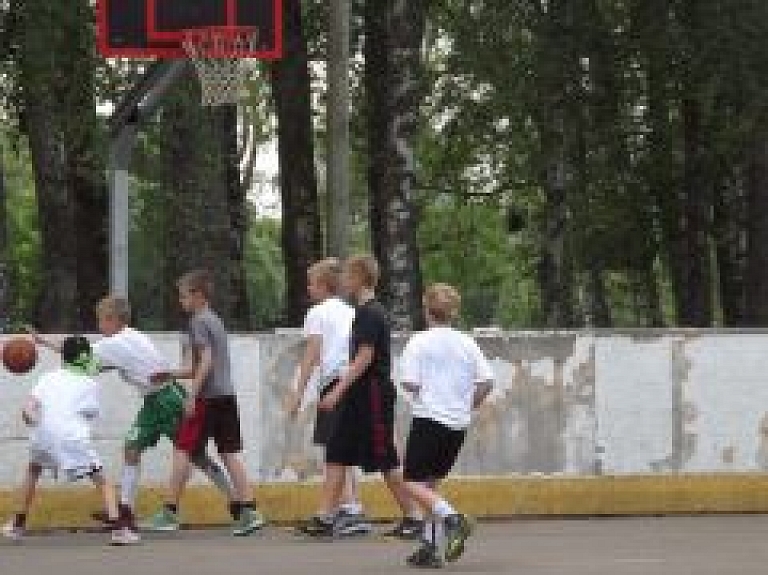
(429, 531)
(434, 533)
(443, 509)
(352, 508)
(129, 485)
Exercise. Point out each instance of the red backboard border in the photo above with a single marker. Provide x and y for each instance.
(169, 46)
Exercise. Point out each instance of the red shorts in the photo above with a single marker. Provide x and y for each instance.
(190, 435)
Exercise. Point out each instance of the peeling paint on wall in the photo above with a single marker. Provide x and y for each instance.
(565, 403)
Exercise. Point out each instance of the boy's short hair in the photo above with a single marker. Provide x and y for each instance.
(115, 306)
(366, 267)
(75, 350)
(328, 273)
(443, 302)
(200, 281)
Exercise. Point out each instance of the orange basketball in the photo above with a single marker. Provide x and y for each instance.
(19, 355)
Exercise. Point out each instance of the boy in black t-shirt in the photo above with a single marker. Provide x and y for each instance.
(365, 394)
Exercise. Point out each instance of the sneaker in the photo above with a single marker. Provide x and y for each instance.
(164, 520)
(249, 522)
(11, 531)
(458, 528)
(125, 536)
(316, 526)
(107, 524)
(348, 524)
(408, 528)
(425, 557)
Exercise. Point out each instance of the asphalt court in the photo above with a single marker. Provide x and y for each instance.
(702, 545)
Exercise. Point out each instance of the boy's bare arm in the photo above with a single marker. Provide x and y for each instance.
(200, 371)
(41, 340)
(361, 362)
(309, 360)
(482, 391)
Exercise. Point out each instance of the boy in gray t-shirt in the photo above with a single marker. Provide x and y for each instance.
(211, 410)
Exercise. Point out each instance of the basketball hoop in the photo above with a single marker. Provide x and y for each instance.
(218, 54)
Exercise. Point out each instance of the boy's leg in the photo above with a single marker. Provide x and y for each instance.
(333, 487)
(223, 426)
(15, 527)
(108, 496)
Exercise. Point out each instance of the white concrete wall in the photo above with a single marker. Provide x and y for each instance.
(566, 403)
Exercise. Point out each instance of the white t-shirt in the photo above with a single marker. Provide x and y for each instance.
(133, 355)
(68, 402)
(446, 365)
(332, 321)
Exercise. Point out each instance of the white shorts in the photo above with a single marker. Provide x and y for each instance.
(73, 459)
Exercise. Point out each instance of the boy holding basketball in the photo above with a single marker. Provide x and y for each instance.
(210, 408)
(448, 376)
(326, 352)
(60, 412)
(364, 396)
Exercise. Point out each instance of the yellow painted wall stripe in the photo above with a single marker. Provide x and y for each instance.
(481, 497)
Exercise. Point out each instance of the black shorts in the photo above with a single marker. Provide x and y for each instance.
(222, 424)
(364, 432)
(431, 451)
(325, 421)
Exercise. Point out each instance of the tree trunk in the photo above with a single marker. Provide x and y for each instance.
(226, 130)
(58, 309)
(6, 297)
(757, 243)
(598, 310)
(695, 303)
(302, 240)
(198, 202)
(56, 75)
(730, 235)
(394, 87)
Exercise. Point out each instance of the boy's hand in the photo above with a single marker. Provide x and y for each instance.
(332, 398)
(190, 406)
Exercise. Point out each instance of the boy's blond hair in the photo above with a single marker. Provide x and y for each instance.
(443, 302)
(366, 267)
(199, 281)
(115, 306)
(328, 273)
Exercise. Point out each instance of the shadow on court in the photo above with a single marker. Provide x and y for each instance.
(666, 546)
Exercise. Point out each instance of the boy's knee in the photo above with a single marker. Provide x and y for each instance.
(131, 455)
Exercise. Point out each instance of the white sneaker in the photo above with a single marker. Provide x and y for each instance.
(125, 536)
(10, 531)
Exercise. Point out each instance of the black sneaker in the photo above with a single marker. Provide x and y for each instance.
(458, 528)
(347, 524)
(425, 557)
(408, 528)
(317, 526)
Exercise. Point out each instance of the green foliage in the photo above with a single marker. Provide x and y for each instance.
(264, 271)
(24, 243)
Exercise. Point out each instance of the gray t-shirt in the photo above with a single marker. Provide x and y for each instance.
(207, 330)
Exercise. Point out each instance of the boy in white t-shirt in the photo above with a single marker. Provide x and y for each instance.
(448, 376)
(326, 332)
(60, 411)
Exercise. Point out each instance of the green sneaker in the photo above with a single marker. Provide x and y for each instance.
(163, 521)
(458, 528)
(249, 522)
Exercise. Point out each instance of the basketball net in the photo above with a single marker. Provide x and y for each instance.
(218, 55)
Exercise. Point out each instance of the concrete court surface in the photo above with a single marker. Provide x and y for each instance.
(710, 545)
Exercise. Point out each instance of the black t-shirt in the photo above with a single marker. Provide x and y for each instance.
(371, 326)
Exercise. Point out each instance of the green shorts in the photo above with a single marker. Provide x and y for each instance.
(159, 416)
